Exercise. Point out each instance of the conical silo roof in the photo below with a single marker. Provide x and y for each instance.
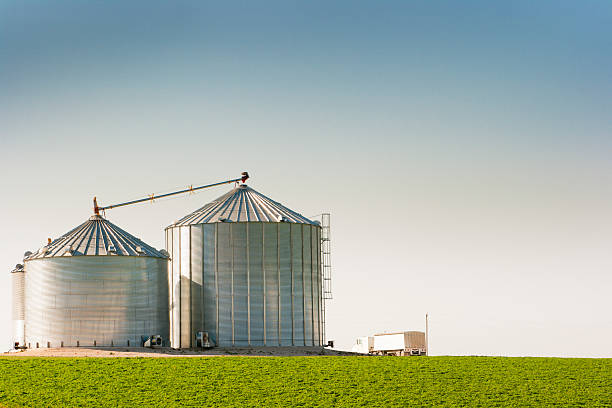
(96, 236)
(242, 204)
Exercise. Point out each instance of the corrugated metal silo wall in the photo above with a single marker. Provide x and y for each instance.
(246, 283)
(103, 299)
(18, 283)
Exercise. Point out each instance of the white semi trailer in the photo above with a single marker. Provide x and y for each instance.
(408, 343)
(363, 345)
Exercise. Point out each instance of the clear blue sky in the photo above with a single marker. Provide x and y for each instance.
(463, 148)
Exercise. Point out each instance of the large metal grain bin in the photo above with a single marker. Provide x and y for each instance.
(97, 285)
(246, 270)
(18, 284)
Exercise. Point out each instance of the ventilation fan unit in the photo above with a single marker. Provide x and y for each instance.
(152, 341)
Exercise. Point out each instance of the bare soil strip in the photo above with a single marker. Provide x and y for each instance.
(170, 352)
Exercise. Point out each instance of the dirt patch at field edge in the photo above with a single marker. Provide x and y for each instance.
(170, 352)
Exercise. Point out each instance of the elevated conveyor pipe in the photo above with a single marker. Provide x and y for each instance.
(152, 197)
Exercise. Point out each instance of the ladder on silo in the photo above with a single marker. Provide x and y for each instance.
(326, 255)
(326, 266)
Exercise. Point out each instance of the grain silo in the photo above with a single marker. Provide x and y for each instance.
(247, 271)
(97, 285)
(18, 307)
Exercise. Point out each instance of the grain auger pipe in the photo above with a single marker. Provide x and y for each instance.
(152, 197)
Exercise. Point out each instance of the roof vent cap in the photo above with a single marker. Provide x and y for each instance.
(139, 249)
(112, 249)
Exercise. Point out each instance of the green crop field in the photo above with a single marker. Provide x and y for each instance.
(305, 381)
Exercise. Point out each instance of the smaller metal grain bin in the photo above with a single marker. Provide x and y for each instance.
(18, 283)
(97, 285)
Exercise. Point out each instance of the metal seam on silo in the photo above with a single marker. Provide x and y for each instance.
(209, 210)
(203, 281)
(200, 215)
(255, 207)
(310, 320)
(308, 278)
(71, 238)
(243, 210)
(265, 285)
(315, 272)
(171, 279)
(104, 238)
(218, 207)
(97, 239)
(112, 239)
(82, 239)
(265, 203)
(292, 292)
(212, 209)
(224, 208)
(248, 256)
(169, 282)
(240, 205)
(217, 210)
(268, 202)
(179, 283)
(133, 242)
(312, 306)
(233, 254)
(69, 241)
(313, 233)
(250, 210)
(266, 209)
(316, 277)
(90, 235)
(282, 209)
(120, 245)
(279, 281)
(217, 279)
(128, 240)
(313, 286)
(234, 202)
(68, 233)
(303, 292)
(251, 206)
(68, 238)
(189, 291)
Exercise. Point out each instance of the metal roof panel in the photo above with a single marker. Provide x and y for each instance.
(95, 237)
(242, 204)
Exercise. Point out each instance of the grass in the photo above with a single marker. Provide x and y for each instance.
(305, 381)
